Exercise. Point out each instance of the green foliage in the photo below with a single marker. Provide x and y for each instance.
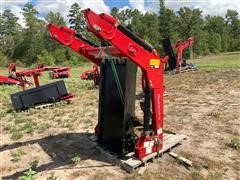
(32, 44)
(15, 133)
(75, 160)
(235, 142)
(214, 43)
(55, 18)
(46, 58)
(17, 155)
(8, 31)
(167, 21)
(29, 127)
(76, 18)
(3, 59)
(28, 175)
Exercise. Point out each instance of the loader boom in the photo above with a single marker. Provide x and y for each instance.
(146, 57)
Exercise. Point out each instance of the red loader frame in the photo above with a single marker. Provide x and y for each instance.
(181, 46)
(109, 29)
(69, 37)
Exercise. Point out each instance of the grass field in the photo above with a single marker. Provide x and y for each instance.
(52, 143)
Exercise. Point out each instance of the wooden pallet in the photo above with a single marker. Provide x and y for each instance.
(42, 106)
(131, 163)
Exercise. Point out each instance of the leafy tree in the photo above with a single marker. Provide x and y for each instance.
(200, 46)
(49, 44)
(214, 42)
(189, 21)
(3, 59)
(9, 24)
(215, 24)
(234, 26)
(226, 40)
(33, 42)
(167, 21)
(55, 18)
(76, 19)
(77, 22)
(29, 13)
(8, 32)
(46, 58)
(126, 16)
(114, 12)
(149, 29)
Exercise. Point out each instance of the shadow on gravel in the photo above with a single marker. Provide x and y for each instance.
(61, 148)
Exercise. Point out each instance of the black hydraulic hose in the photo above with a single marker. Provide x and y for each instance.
(79, 36)
(135, 38)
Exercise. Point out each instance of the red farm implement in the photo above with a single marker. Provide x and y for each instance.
(56, 72)
(11, 79)
(176, 62)
(92, 74)
(118, 130)
(41, 94)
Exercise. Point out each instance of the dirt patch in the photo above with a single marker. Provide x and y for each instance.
(202, 105)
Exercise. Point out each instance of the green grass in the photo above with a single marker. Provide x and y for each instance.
(235, 143)
(17, 155)
(28, 175)
(17, 124)
(75, 159)
(222, 61)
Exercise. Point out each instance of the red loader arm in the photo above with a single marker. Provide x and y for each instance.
(180, 46)
(146, 57)
(92, 74)
(69, 37)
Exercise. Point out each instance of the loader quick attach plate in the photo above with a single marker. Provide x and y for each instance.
(113, 114)
(48, 93)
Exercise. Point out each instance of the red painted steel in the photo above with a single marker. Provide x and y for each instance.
(180, 46)
(92, 74)
(106, 27)
(69, 37)
(56, 71)
(11, 79)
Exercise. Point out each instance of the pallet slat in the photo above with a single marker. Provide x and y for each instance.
(170, 140)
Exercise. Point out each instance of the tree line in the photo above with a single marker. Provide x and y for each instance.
(32, 44)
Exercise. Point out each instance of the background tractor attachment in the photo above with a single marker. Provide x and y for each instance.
(56, 72)
(176, 62)
(48, 93)
(92, 74)
(11, 79)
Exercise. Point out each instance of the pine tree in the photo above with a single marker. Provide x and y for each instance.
(8, 32)
(76, 19)
(167, 21)
(33, 34)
